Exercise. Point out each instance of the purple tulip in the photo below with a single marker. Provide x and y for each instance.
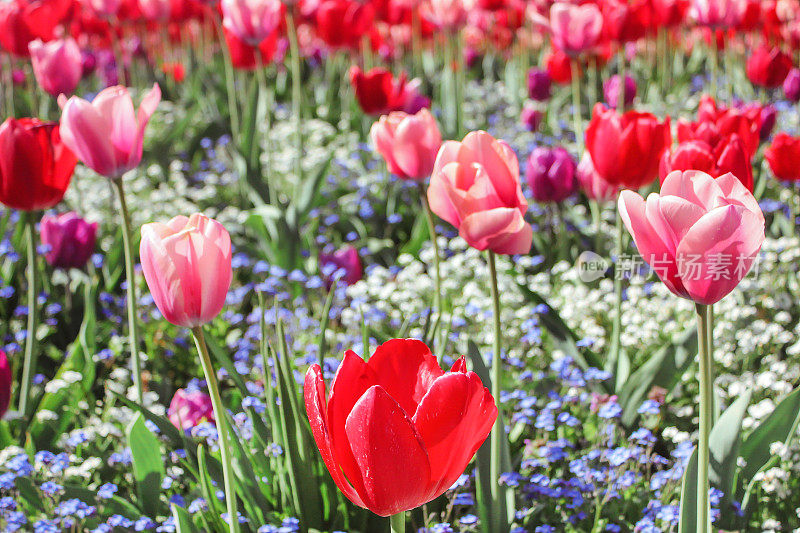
(551, 174)
(531, 118)
(791, 85)
(71, 240)
(344, 264)
(769, 116)
(188, 408)
(539, 84)
(611, 91)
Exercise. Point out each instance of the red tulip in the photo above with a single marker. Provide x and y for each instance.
(626, 149)
(35, 165)
(670, 13)
(714, 123)
(5, 383)
(626, 22)
(342, 23)
(768, 67)
(379, 93)
(21, 23)
(244, 57)
(559, 67)
(783, 156)
(396, 431)
(729, 155)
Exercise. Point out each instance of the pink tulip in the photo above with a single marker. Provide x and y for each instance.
(57, 65)
(71, 240)
(444, 14)
(700, 235)
(408, 143)
(187, 266)
(106, 134)
(252, 20)
(189, 408)
(5, 383)
(103, 8)
(718, 13)
(475, 187)
(344, 264)
(159, 10)
(575, 28)
(592, 183)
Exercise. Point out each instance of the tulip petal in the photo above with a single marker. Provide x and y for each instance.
(735, 191)
(502, 230)
(86, 133)
(453, 420)
(389, 453)
(694, 186)
(500, 162)
(314, 395)
(406, 369)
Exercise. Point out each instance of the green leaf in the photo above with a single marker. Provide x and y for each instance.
(688, 521)
(148, 465)
(183, 524)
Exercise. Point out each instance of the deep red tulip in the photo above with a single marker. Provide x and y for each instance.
(5, 383)
(244, 57)
(342, 23)
(396, 431)
(379, 93)
(35, 165)
(21, 23)
(625, 21)
(559, 67)
(729, 155)
(783, 156)
(716, 122)
(626, 149)
(669, 13)
(768, 67)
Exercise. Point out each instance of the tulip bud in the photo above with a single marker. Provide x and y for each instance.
(791, 85)
(71, 240)
(57, 65)
(344, 264)
(551, 174)
(531, 118)
(611, 90)
(408, 143)
(769, 117)
(539, 83)
(189, 408)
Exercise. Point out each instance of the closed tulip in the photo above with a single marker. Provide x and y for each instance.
(575, 28)
(23, 22)
(539, 83)
(35, 165)
(106, 134)
(717, 122)
(783, 157)
(252, 20)
(791, 85)
(408, 143)
(396, 431)
(626, 149)
(531, 118)
(378, 92)
(189, 408)
(700, 234)
(344, 264)
(551, 174)
(187, 265)
(611, 89)
(156, 10)
(343, 23)
(729, 155)
(718, 13)
(768, 66)
(669, 13)
(57, 65)
(70, 238)
(475, 187)
(593, 185)
(5, 383)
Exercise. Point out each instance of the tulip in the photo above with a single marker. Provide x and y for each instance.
(531, 118)
(70, 238)
(669, 13)
(575, 29)
(187, 265)
(343, 23)
(551, 174)
(559, 67)
(611, 90)
(106, 134)
(244, 57)
(156, 10)
(35, 165)
(57, 65)
(475, 187)
(625, 21)
(701, 235)
(344, 264)
(716, 122)
(593, 185)
(626, 149)
(408, 143)
(769, 117)
(728, 156)
(791, 85)
(22, 22)
(539, 83)
(379, 93)
(718, 13)
(444, 14)
(104, 8)
(768, 67)
(396, 431)
(189, 408)
(252, 20)
(783, 156)
(5, 383)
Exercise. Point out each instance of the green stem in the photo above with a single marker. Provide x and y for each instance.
(397, 522)
(131, 296)
(617, 328)
(436, 254)
(714, 64)
(623, 73)
(221, 419)
(706, 379)
(29, 363)
(297, 94)
(229, 80)
(577, 119)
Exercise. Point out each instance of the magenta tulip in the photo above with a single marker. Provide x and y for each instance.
(344, 264)
(187, 265)
(408, 143)
(252, 21)
(575, 28)
(107, 134)
(57, 65)
(70, 238)
(700, 235)
(189, 408)
(551, 174)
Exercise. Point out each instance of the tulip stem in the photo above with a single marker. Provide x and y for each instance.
(623, 74)
(229, 81)
(297, 94)
(706, 379)
(616, 331)
(29, 363)
(131, 289)
(397, 522)
(221, 420)
(435, 244)
(577, 119)
(498, 513)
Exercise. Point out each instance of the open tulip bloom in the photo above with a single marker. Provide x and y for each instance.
(396, 431)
